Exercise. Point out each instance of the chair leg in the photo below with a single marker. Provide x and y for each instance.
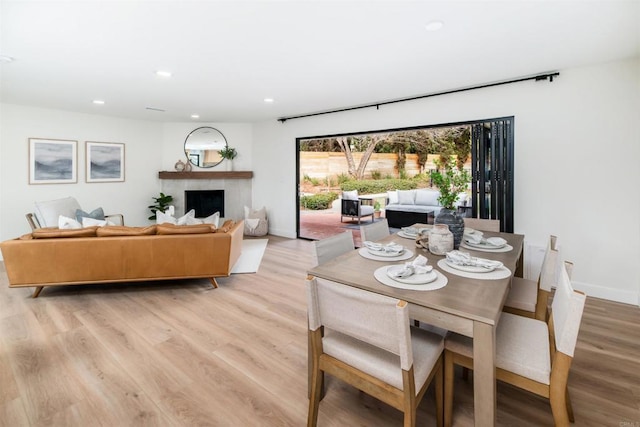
(439, 392)
(448, 389)
(569, 406)
(559, 406)
(314, 400)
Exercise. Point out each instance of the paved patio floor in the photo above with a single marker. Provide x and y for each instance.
(317, 225)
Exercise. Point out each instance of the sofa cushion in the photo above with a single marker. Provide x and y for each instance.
(121, 230)
(427, 197)
(184, 229)
(350, 195)
(392, 196)
(97, 213)
(407, 197)
(47, 212)
(54, 232)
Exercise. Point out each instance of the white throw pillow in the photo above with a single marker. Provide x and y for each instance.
(350, 195)
(393, 196)
(90, 222)
(184, 219)
(66, 223)
(165, 218)
(212, 219)
(407, 197)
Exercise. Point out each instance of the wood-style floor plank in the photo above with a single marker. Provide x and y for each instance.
(181, 353)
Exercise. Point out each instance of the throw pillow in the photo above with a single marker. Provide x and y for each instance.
(97, 213)
(165, 218)
(393, 196)
(186, 219)
(213, 219)
(90, 222)
(427, 197)
(66, 223)
(350, 195)
(407, 197)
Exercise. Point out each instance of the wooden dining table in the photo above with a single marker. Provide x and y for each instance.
(468, 306)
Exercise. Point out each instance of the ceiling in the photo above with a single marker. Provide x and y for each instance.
(226, 57)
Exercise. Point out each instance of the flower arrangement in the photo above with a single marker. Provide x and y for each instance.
(451, 182)
(228, 153)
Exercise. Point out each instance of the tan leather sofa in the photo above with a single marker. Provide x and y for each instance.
(160, 252)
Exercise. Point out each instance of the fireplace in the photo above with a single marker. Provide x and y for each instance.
(204, 202)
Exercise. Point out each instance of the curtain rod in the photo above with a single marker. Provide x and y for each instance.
(538, 77)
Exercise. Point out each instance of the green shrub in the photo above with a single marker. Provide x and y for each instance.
(373, 186)
(318, 201)
(376, 174)
(342, 178)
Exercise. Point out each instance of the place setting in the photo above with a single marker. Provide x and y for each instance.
(475, 240)
(465, 265)
(414, 275)
(413, 232)
(384, 251)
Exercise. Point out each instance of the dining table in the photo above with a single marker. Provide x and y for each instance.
(468, 304)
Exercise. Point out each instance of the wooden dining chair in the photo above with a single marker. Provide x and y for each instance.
(376, 231)
(369, 344)
(482, 224)
(530, 298)
(330, 247)
(530, 354)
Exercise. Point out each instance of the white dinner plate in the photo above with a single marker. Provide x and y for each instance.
(414, 279)
(483, 245)
(386, 254)
(469, 268)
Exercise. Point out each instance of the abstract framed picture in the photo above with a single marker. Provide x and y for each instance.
(105, 161)
(53, 161)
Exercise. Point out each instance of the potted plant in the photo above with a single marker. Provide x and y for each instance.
(376, 209)
(451, 182)
(228, 153)
(162, 203)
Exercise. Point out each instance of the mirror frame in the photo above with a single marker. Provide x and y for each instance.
(218, 160)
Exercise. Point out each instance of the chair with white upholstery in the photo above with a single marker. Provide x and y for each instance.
(47, 213)
(530, 354)
(330, 247)
(530, 298)
(352, 207)
(369, 344)
(376, 231)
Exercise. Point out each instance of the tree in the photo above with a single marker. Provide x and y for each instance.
(369, 142)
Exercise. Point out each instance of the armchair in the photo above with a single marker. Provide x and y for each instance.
(352, 207)
(46, 213)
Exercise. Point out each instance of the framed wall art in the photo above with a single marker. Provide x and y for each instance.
(52, 161)
(105, 161)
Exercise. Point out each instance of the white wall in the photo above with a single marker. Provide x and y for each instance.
(577, 145)
(131, 197)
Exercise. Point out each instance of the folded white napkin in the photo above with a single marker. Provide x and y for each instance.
(464, 258)
(410, 230)
(496, 241)
(417, 266)
(473, 238)
(476, 238)
(388, 248)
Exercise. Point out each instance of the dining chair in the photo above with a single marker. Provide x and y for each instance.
(482, 224)
(530, 298)
(375, 231)
(369, 344)
(530, 354)
(330, 247)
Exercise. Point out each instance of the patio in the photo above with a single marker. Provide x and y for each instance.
(317, 225)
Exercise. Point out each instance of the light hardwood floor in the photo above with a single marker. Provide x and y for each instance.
(184, 354)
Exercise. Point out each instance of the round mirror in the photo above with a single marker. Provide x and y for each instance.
(202, 147)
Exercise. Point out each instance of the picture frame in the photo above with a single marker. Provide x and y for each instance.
(53, 161)
(105, 161)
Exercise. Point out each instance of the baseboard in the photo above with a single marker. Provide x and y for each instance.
(625, 297)
(282, 233)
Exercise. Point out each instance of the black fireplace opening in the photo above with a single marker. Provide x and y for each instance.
(204, 202)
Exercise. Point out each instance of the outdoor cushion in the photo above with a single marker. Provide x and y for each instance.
(427, 197)
(407, 197)
(393, 196)
(350, 195)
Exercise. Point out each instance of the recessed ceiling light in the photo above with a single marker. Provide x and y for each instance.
(6, 59)
(434, 25)
(195, 116)
(98, 101)
(161, 73)
(268, 100)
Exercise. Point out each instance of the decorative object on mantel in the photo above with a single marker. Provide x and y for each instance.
(205, 175)
(179, 166)
(162, 204)
(187, 166)
(451, 183)
(228, 153)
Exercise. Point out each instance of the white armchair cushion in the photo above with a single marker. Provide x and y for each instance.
(382, 364)
(48, 212)
(522, 347)
(366, 210)
(350, 195)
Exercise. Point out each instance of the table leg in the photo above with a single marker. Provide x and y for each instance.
(484, 374)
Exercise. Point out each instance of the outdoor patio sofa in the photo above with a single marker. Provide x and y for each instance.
(408, 207)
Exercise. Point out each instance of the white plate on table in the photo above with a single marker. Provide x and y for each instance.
(385, 253)
(471, 268)
(483, 245)
(414, 279)
(468, 230)
(407, 236)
